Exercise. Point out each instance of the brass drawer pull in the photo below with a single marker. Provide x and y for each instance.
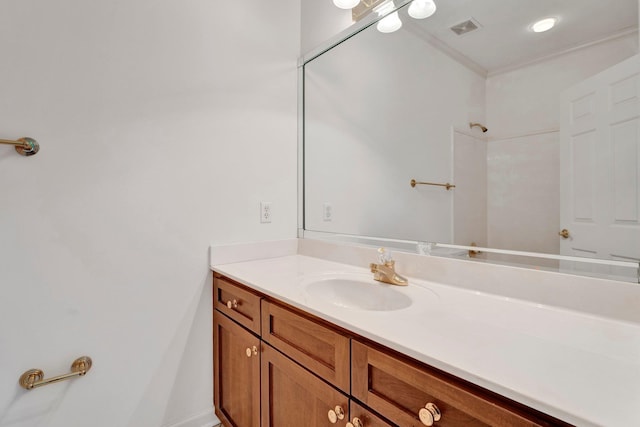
(355, 423)
(336, 414)
(232, 304)
(429, 414)
(253, 351)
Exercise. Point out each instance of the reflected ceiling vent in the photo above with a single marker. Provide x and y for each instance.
(466, 27)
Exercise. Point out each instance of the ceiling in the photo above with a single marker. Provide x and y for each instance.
(504, 38)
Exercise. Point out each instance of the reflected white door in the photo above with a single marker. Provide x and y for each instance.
(600, 168)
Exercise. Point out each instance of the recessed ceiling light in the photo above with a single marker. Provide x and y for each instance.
(544, 25)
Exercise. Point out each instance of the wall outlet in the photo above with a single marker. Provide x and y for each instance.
(265, 212)
(327, 212)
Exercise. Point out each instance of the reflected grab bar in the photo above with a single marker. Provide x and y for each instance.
(34, 377)
(446, 185)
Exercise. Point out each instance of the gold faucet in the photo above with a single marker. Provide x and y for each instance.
(385, 271)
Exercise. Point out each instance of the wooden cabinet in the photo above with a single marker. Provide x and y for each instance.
(399, 389)
(277, 366)
(236, 371)
(292, 396)
(255, 384)
(314, 345)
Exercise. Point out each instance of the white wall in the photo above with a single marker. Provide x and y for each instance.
(523, 164)
(321, 21)
(162, 126)
(470, 195)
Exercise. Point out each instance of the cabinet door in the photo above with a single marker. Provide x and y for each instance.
(236, 373)
(399, 390)
(292, 396)
(366, 417)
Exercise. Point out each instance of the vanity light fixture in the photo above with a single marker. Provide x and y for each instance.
(346, 4)
(421, 9)
(391, 22)
(544, 25)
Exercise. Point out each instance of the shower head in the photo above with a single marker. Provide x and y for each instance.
(472, 125)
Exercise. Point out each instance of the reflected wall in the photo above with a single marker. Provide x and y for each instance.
(371, 127)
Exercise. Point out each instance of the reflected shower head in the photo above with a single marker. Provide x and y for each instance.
(472, 125)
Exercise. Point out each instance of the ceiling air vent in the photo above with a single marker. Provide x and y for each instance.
(466, 27)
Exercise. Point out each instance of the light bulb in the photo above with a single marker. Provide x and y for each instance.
(544, 25)
(346, 4)
(420, 9)
(389, 23)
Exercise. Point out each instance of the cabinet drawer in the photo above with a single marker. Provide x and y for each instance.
(367, 418)
(238, 303)
(398, 390)
(319, 348)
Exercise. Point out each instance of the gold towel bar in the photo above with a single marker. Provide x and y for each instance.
(34, 377)
(24, 146)
(447, 185)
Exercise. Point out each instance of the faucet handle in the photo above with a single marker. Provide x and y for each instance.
(384, 256)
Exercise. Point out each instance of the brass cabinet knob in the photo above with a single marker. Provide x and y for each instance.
(429, 414)
(232, 304)
(336, 414)
(564, 233)
(355, 423)
(253, 351)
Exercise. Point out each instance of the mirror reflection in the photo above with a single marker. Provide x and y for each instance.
(537, 131)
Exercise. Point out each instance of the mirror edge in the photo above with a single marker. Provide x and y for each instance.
(329, 44)
(463, 253)
(349, 32)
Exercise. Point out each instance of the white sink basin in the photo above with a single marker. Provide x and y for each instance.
(359, 294)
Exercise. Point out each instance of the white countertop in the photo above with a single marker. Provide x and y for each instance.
(581, 368)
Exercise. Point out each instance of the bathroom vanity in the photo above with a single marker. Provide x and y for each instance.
(269, 354)
(300, 339)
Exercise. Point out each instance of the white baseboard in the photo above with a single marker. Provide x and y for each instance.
(204, 419)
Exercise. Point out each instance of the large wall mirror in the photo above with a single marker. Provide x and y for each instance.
(537, 133)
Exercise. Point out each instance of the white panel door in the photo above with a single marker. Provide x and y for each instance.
(600, 168)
